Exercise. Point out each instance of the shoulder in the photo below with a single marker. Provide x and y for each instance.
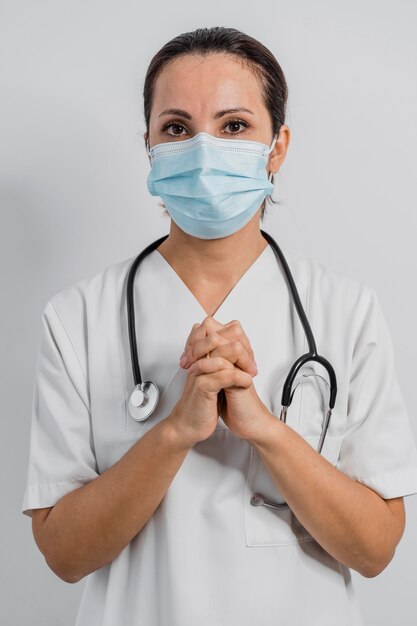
(88, 306)
(325, 279)
(93, 291)
(335, 296)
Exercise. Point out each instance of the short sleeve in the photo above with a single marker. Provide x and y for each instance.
(378, 448)
(61, 451)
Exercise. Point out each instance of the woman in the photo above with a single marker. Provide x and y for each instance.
(176, 519)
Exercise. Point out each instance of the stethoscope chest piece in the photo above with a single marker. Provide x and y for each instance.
(143, 400)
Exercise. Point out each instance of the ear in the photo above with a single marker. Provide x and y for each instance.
(278, 154)
(146, 140)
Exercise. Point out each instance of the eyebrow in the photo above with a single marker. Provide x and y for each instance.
(219, 114)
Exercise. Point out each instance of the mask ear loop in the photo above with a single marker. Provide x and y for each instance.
(148, 150)
(270, 175)
(271, 147)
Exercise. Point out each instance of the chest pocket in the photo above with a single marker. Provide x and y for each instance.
(265, 523)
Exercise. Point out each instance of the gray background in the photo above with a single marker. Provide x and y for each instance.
(74, 200)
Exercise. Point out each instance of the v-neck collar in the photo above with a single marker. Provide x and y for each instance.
(260, 260)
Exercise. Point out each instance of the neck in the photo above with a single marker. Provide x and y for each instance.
(215, 262)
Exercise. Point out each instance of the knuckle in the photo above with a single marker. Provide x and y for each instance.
(234, 375)
(224, 364)
(239, 331)
(216, 340)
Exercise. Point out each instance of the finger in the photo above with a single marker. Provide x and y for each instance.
(202, 346)
(234, 378)
(201, 330)
(233, 331)
(210, 334)
(223, 379)
(191, 337)
(208, 366)
(204, 341)
(234, 352)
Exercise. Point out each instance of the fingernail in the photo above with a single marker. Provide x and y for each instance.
(183, 361)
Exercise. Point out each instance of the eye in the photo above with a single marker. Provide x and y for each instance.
(236, 126)
(173, 128)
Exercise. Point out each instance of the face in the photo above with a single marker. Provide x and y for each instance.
(215, 94)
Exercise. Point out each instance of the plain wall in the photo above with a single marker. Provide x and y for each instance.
(74, 200)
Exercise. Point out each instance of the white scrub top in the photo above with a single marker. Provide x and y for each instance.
(207, 556)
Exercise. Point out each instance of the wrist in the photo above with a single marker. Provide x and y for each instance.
(176, 433)
(269, 431)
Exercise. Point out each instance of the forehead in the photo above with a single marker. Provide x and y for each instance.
(209, 82)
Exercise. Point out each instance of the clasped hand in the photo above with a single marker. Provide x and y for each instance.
(238, 403)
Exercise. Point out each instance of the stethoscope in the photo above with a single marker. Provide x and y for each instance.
(144, 398)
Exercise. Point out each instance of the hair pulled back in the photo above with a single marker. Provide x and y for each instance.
(218, 39)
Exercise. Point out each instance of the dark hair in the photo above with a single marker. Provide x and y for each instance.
(218, 39)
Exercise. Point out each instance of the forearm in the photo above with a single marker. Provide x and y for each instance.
(349, 520)
(89, 526)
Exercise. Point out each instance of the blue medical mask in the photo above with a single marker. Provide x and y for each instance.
(211, 187)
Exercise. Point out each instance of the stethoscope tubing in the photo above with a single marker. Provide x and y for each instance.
(312, 354)
(137, 377)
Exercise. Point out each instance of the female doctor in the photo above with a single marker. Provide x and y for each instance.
(212, 510)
